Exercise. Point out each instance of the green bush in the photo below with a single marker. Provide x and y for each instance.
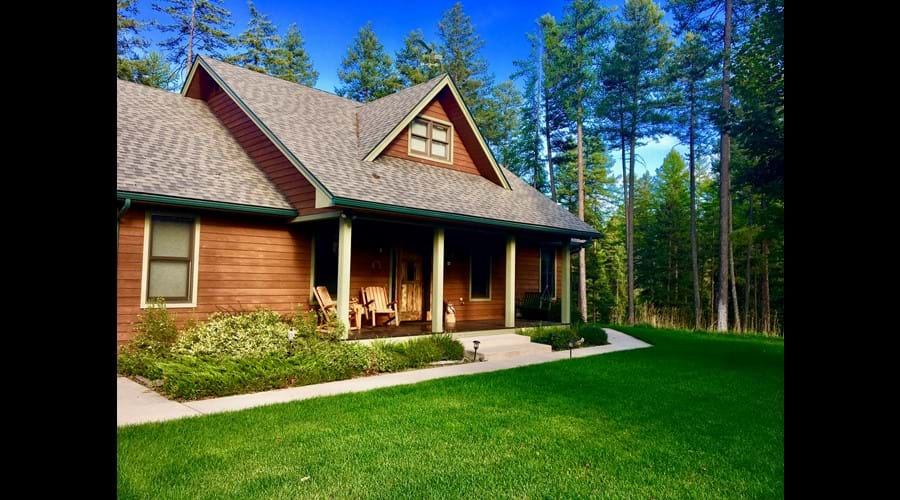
(558, 337)
(451, 349)
(155, 331)
(131, 362)
(305, 322)
(258, 333)
(592, 334)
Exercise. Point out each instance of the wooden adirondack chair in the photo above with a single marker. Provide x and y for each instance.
(328, 307)
(375, 300)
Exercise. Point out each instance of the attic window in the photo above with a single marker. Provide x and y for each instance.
(432, 139)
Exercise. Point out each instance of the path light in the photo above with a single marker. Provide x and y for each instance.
(291, 334)
(476, 343)
(571, 345)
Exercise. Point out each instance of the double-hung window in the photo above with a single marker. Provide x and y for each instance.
(171, 259)
(430, 139)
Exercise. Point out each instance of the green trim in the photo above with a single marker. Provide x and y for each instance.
(316, 217)
(259, 123)
(347, 202)
(212, 205)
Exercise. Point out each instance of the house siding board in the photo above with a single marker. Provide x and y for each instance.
(456, 281)
(300, 193)
(244, 263)
(528, 269)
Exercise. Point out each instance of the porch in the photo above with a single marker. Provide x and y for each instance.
(482, 272)
(412, 328)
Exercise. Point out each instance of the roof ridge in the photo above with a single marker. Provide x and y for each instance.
(439, 77)
(157, 89)
(332, 94)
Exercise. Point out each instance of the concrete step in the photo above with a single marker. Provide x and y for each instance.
(504, 346)
(495, 340)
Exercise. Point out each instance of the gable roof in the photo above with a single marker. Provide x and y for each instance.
(327, 137)
(171, 146)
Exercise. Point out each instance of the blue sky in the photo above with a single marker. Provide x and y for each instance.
(330, 26)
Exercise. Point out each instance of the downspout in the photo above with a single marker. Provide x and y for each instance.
(119, 215)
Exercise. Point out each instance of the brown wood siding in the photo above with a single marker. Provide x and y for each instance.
(300, 193)
(456, 281)
(528, 269)
(243, 263)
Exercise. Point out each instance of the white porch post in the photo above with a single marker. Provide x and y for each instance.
(345, 227)
(437, 282)
(510, 316)
(566, 284)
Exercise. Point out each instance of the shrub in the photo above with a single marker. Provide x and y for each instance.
(305, 322)
(131, 362)
(593, 334)
(258, 333)
(558, 337)
(155, 331)
(451, 349)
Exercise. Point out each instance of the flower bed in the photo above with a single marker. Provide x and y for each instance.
(560, 336)
(249, 352)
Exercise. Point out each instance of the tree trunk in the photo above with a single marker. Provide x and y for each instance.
(630, 231)
(582, 270)
(549, 149)
(734, 295)
(766, 313)
(190, 47)
(725, 182)
(747, 276)
(694, 265)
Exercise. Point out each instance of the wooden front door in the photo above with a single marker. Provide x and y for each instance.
(410, 285)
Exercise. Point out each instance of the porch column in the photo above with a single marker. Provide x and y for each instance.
(510, 316)
(343, 272)
(437, 282)
(566, 284)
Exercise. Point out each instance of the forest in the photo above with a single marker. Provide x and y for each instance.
(696, 242)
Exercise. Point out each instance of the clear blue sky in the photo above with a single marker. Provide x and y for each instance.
(329, 26)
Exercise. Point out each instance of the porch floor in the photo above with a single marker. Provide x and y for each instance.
(411, 328)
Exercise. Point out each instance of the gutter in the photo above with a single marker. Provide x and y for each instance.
(347, 202)
(119, 215)
(210, 205)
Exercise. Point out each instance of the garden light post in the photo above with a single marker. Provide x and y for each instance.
(571, 345)
(291, 334)
(476, 343)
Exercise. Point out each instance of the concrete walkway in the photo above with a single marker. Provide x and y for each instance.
(137, 404)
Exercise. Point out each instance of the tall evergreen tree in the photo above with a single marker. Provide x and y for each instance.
(552, 70)
(529, 146)
(418, 61)
(128, 29)
(691, 69)
(504, 114)
(196, 26)
(291, 62)
(152, 70)
(584, 29)
(460, 50)
(258, 42)
(367, 71)
(642, 43)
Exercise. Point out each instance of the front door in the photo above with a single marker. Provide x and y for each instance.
(409, 285)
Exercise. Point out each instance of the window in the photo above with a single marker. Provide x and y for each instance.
(430, 139)
(548, 271)
(480, 277)
(171, 259)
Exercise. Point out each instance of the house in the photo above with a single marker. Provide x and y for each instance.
(246, 190)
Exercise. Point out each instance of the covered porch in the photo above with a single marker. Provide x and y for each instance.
(424, 266)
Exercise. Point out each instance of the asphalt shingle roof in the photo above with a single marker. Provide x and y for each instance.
(173, 146)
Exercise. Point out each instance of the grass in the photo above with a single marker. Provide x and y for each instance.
(697, 415)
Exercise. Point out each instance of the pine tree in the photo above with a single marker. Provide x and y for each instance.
(584, 29)
(197, 26)
(552, 70)
(418, 61)
(291, 62)
(460, 50)
(642, 44)
(258, 42)
(152, 70)
(128, 29)
(529, 146)
(367, 71)
(691, 70)
(504, 114)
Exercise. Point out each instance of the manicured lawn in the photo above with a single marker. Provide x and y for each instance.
(697, 415)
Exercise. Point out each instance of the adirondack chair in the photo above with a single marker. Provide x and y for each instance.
(328, 307)
(375, 300)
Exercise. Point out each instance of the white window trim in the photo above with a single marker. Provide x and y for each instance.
(490, 281)
(426, 156)
(541, 269)
(195, 264)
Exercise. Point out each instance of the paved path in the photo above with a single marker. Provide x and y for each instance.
(137, 404)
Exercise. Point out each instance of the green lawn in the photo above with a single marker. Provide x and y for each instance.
(697, 415)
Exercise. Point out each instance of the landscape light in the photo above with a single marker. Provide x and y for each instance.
(476, 343)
